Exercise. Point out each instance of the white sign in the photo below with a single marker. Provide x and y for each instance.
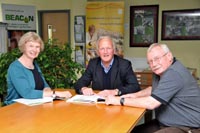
(19, 17)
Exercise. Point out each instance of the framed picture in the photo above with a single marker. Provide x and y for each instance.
(143, 25)
(79, 29)
(181, 24)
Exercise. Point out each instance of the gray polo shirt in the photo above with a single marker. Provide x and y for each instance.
(179, 94)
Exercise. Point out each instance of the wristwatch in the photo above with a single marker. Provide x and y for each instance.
(122, 101)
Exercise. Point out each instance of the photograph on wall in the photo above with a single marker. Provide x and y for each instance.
(181, 24)
(104, 18)
(143, 25)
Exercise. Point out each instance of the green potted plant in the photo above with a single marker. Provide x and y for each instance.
(56, 63)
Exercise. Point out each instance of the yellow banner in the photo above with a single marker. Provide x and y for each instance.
(104, 18)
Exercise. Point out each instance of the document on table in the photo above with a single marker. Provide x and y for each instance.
(86, 99)
(32, 102)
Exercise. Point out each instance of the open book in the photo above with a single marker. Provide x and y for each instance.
(86, 99)
(32, 102)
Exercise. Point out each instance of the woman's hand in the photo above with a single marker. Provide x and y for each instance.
(65, 94)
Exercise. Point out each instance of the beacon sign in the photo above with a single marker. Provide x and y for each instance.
(19, 17)
(23, 18)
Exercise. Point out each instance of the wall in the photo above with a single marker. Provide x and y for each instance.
(186, 51)
(76, 7)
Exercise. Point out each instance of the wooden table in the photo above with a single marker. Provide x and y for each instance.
(63, 117)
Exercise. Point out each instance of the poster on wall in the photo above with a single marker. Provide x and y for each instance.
(20, 19)
(79, 29)
(104, 18)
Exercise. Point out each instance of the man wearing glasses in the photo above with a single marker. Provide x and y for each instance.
(174, 95)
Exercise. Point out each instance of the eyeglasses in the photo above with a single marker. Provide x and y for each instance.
(156, 59)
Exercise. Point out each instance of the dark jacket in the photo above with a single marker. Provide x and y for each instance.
(122, 76)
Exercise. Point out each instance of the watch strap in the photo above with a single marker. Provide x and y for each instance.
(122, 101)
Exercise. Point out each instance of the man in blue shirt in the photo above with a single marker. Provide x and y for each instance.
(108, 73)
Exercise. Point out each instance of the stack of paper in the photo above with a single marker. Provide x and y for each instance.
(32, 102)
(86, 99)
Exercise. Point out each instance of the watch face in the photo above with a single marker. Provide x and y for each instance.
(122, 101)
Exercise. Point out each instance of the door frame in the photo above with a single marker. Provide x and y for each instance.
(40, 26)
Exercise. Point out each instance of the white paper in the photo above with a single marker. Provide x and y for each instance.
(84, 99)
(32, 102)
(79, 20)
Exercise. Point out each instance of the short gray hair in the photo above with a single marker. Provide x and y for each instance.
(164, 47)
(105, 37)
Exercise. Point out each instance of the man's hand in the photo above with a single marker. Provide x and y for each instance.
(112, 100)
(87, 91)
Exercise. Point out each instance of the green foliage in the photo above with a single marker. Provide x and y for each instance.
(5, 60)
(57, 66)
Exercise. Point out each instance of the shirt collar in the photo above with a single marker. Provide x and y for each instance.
(106, 70)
